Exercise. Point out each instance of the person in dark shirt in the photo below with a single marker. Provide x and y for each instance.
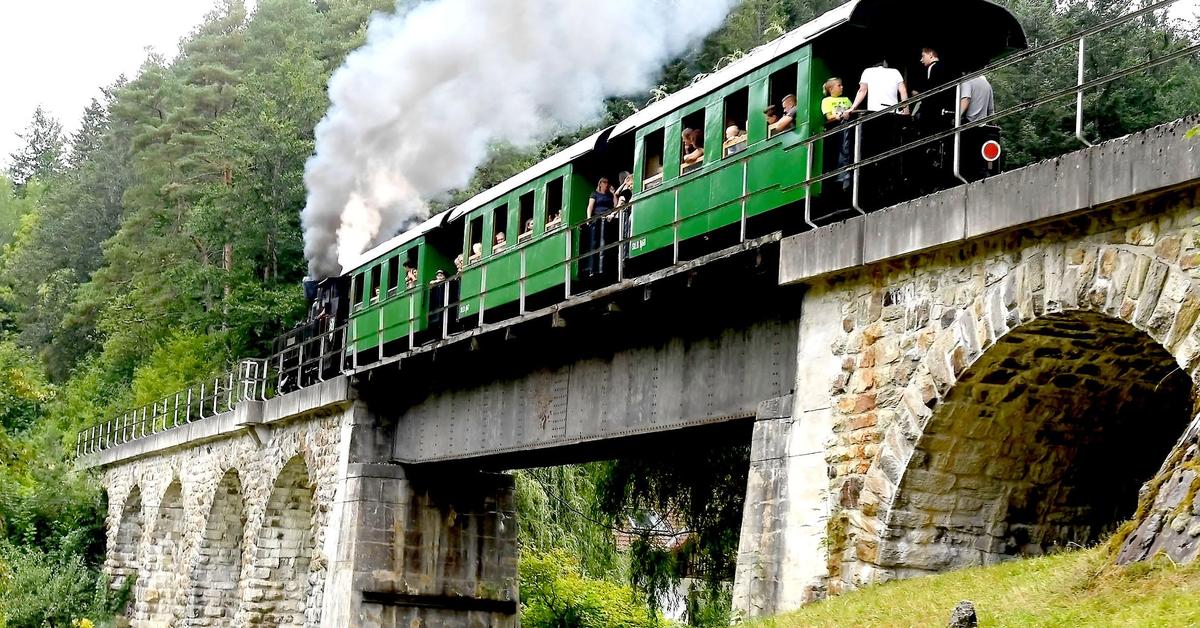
(600, 205)
(935, 115)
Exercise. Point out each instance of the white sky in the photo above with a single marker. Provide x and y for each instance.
(58, 53)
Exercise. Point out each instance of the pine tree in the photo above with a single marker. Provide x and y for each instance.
(41, 157)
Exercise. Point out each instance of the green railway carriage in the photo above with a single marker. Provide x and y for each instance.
(675, 203)
(385, 308)
(736, 192)
(537, 213)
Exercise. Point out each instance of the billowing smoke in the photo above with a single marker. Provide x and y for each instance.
(415, 109)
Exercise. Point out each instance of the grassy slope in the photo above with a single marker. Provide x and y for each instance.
(1068, 589)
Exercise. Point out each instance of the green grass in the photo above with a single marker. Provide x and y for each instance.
(1069, 589)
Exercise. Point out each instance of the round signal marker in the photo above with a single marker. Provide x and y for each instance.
(991, 150)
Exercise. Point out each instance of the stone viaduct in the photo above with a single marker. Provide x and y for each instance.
(999, 369)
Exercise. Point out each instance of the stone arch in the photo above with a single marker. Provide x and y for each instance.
(213, 597)
(122, 560)
(279, 586)
(159, 600)
(1096, 309)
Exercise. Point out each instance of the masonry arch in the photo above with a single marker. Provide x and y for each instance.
(122, 561)
(159, 598)
(1033, 419)
(278, 587)
(216, 573)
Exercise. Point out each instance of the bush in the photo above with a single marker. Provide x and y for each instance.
(39, 589)
(554, 594)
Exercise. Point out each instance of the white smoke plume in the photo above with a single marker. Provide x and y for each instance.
(415, 109)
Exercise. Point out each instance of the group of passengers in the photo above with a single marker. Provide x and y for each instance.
(881, 87)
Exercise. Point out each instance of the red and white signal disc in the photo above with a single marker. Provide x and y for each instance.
(991, 150)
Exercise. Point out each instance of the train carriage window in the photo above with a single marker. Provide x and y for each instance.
(376, 271)
(410, 268)
(782, 83)
(393, 275)
(652, 171)
(737, 109)
(691, 155)
(475, 243)
(554, 203)
(359, 293)
(500, 228)
(526, 217)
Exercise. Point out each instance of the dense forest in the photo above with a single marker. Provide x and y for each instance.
(161, 240)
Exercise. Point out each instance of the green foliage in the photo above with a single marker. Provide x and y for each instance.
(23, 389)
(702, 487)
(556, 510)
(39, 589)
(555, 594)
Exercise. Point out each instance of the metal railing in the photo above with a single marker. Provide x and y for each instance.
(202, 400)
(332, 352)
(1078, 90)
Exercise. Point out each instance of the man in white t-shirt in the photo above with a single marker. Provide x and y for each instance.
(881, 87)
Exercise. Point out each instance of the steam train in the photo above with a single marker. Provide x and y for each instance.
(527, 243)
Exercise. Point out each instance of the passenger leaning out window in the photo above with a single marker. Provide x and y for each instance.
(693, 147)
(735, 140)
(499, 242)
(771, 113)
(788, 119)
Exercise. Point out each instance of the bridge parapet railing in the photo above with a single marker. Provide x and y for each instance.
(205, 399)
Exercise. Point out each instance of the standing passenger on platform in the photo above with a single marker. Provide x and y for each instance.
(437, 302)
(978, 101)
(600, 204)
(934, 115)
(880, 87)
(836, 109)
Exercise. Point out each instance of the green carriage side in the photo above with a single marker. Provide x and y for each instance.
(384, 309)
(533, 263)
(729, 187)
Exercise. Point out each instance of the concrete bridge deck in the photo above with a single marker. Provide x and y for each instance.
(951, 381)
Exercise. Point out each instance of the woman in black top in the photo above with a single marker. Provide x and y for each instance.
(592, 236)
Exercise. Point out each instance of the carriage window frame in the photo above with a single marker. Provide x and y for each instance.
(474, 236)
(393, 275)
(696, 120)
(654, 143)
(526, 210)
(555, 193)
(500, 225)
(741, 98)
(359, 290)
(376, 280)
(413, 256)
(775, 80)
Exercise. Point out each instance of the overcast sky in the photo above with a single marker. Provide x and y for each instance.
(58, 53)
